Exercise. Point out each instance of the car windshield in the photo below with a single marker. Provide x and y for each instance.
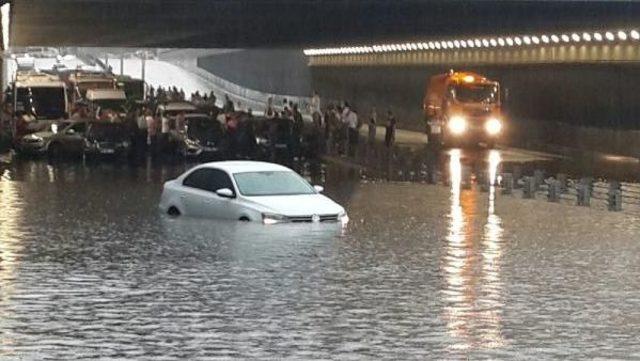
(278, 183)
(204, 128)
(476, 93)
(107, 132)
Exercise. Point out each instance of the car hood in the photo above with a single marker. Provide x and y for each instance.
(42, 134)
(297, 205)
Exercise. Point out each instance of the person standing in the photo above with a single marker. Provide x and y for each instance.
(270, 112)
(298, 125)
(315, 103)
(373, 120)
(352, 131)
(390, 134)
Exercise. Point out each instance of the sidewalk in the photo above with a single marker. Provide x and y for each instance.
(403, 137)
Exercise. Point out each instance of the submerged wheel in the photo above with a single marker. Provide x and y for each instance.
(173, 211)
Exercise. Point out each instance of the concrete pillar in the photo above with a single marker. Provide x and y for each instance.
(538, 179)
(529, 189)
(554, 191)
(583, 189)
(507, 183)
(614, 197)
(562, 178)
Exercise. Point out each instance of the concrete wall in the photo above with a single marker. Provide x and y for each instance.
(279, 71)
(590, 95)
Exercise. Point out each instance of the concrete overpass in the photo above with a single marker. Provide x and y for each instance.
(292, 23)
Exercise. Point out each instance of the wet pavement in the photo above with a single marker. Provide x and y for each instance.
(90, 269)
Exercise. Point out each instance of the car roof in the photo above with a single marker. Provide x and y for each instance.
(196, 115)
(239, 166)
(178, 106)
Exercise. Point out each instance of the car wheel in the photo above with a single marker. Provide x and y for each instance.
(173, 211)
(244, 219)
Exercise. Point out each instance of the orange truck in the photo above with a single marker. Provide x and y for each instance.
(463, 108)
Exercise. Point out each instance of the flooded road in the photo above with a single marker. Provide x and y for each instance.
(89, 268)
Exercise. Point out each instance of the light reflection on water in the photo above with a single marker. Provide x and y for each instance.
(473, 298)
(89, 268)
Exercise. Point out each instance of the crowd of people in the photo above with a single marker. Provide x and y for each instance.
(334, 127)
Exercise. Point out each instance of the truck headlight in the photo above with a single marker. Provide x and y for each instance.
(457, 125)
(272, 218)
(493, 126)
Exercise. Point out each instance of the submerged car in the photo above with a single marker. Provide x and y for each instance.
(248, 191)
(107, 139)
(202, 136)
(61, 138)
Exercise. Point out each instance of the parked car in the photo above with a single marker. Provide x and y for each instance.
(273, 138)
(248, 191)
(202, 136)
(104, 138)
(61, 138)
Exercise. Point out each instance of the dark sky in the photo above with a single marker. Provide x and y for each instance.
(295, 23)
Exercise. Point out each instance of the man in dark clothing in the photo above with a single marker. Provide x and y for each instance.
(298, 126)
(228, 105)
(390, 134)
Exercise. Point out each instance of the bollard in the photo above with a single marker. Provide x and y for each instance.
(614, 197)
(554, 191)
(465, 176)
(507, 183)
(538, 179)
(583, 190)
(517, 174)
(528, 189)
(484, 181)
(562, 178)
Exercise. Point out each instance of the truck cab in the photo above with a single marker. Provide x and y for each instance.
(79, 82)
(38, 100)
(463, 108)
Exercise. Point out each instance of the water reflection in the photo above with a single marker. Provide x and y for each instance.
(473, 288)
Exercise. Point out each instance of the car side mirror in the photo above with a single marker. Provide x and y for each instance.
(319, 189)
(225, 193)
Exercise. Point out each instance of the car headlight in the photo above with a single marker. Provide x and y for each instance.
(191, 142)
(343, 217)
(272, 218)
(34, 137)
(493, 126)
(261, 141)
(457, 124)
(125, 144)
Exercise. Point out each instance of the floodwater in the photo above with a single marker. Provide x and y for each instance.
(90, 269)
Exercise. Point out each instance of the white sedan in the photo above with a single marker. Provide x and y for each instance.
(248, 191)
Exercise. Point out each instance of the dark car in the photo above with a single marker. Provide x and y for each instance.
(107, 139)
(60, 138)
(202, 136)
(274, 137)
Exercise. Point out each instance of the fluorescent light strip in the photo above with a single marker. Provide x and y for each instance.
(511, 41)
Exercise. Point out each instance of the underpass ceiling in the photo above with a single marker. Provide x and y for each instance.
(292, 23)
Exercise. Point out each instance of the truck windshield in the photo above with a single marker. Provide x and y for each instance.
(43, 102)
(117, 105)
(476, 93)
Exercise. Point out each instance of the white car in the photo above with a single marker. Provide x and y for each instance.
(248, 191)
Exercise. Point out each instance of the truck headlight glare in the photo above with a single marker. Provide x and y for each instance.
(493, 126)
(457, 125)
